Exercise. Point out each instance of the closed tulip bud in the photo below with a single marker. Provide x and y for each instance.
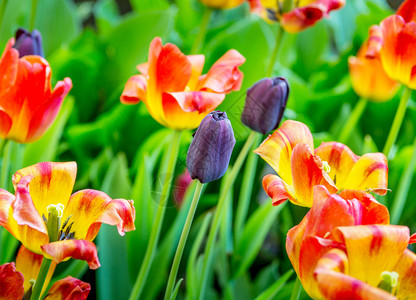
(28, 43)
(265, 104)
(210, 151)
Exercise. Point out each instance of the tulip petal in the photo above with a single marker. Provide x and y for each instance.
(307, 172)
(406, 268)
(78, 249)
(380, 246)
(412, 238)
(278, 190)
(370, 172)
(11, 282)
(294, 241)
(44, 116)
(134, 90)
(52, 183)
(69, 288)
(408, 10)
(121, 213)
(6, 201)
(197, 63)
(5, 123)
(277, 149)
(224, 75)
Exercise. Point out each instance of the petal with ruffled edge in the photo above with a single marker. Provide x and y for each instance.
(406, 268)
(78, 249)
(134, 90)
(52, 183)
(11, 282)
(224, 75)
(277, 149)
(28, 263)
(379, 246)
(408, 10)
(307, 172)
(278, 190)
(370, 172)
(69, 288)
(89, 208)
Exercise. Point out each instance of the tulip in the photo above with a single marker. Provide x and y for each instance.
(69, 288)
(222, 4)
(11, 282)
(265, 104)
(28, 43)
(295, 16)
(210, 151)
(28, 105)
(49, 221)
(173, 89)
(289, 151)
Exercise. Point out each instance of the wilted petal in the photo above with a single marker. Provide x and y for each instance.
(121, 213)
(69, 288)
(11, 282)
(78, 249)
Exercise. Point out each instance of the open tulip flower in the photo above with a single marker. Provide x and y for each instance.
(289, 151)
(295, 16)
(28, 105)
(173, 89)
(48, 220)
(368, 78)
(395, 40)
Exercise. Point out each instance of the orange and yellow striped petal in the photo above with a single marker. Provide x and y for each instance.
(6, 201)
(69, 288)
(370, 172)
(11, 282)
(379, 246)
(406, 268)
(52, 183)
(78, 249)
(278, 190)
(277, 149)
(134, 90)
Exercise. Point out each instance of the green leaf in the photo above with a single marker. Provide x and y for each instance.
(176, 289)
(275, 288)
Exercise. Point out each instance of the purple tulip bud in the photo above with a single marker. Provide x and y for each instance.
(210, 150)
(28, 43)
(265, 103)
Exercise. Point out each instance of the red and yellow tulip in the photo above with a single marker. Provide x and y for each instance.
(11, 282)
(295, 16)
(69, 288)
(368, 78)
(28, 105)
(173, 89)
(46, 188)
(394, 40)
(289, 151)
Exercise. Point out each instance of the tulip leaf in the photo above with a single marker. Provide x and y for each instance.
(275, 287)
(176, 289)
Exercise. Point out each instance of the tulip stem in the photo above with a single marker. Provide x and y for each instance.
(228, 182)
(167, 170)
(182, 241)
(200, 38)
(33, 14)
(403, 189)
(296, 289)
(273, 58)
(353, 120)
(3, 6)
(43, 272)
(397, 122)
(5, 165)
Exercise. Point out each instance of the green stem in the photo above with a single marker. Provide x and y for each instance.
(3, 6)
(199, 39)
(403, 189)
(229, 180)
(296, 289)
(279, 36)
(43, 272)
(353, 120)
(167, 171)
(182, 241)
(33, 15)
(5, 165)
(397, 122)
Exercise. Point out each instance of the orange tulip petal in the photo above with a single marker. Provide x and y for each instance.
(134, 90)
(224, 75)
(69, 288)
(408, 10)
(340, 159)
(307, 172)
(412, 238)
(52, 183)
(197, 63)
(78, 249)
(294, 241)
(277, 190)
(375, 42)
(277, 149)
(121, 213)
(370, 172)
(380, 246)
(406, 268)
(11, 282)
(44, 116)
(5, 124)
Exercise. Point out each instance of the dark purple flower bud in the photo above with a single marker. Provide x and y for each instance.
(210, 151)
(28, 43)
(265, 104)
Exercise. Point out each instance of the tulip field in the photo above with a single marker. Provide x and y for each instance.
(207, 149)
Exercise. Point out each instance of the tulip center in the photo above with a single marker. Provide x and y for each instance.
(326, 166)
(56, 232)
(389, 282)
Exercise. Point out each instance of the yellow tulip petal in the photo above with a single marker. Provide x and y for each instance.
(406, 268)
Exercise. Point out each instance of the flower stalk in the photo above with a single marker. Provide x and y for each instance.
(353, 120)
(43, 272)
(200, 38)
